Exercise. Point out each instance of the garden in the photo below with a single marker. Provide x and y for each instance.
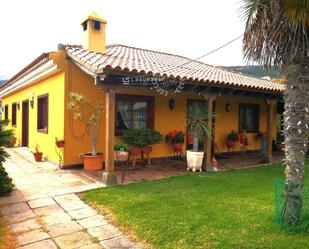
(232, 209)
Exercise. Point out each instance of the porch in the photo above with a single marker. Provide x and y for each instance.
(164, 168)
(159, 87)
(260, 104)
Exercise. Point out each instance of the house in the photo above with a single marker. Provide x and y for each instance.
(134, 81)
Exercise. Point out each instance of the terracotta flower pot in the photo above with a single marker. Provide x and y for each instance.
(177, 146)
(135, 150)
(60, 143)
(38, 156)
(230, 143)
(14, 139)
(147, 149)
(93, 162)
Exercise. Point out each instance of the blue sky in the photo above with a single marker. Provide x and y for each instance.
(188, 28)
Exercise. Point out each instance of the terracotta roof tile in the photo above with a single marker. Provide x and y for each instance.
(131, 59)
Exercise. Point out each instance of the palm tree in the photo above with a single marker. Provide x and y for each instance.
(277, 33)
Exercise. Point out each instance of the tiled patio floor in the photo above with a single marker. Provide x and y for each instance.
(162, 168)
(45, 213)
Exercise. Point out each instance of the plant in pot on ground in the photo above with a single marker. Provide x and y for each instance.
(121, 152)
(198, 129)
(140, 140)
(90, 117)
(232, 137)
(37, 154)
(176, 138)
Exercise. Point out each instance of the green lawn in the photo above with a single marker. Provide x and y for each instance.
(232, 209)
(1, 234)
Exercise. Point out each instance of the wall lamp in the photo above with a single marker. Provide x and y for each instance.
(227, 107)
(31, 99)
(171, 103)
(18, 105)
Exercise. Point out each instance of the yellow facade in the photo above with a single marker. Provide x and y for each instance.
(54, 87)
(61, 123)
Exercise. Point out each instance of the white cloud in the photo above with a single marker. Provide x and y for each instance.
(188, 28)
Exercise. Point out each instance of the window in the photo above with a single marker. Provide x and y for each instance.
(249, 117)
(14, 107)
(6, 112)
(84, 24)
(134, 112)
(43, 113)
(97, 25)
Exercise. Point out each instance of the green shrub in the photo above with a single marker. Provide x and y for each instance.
(6, 183)
(142, 137)
(119, 146)
(233, 136)
(6, 139)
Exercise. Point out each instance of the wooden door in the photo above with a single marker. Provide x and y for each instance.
(25, 124)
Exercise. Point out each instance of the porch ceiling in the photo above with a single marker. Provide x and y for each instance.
(118, 80)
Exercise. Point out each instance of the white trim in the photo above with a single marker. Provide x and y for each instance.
(83, 68)
(29, 78)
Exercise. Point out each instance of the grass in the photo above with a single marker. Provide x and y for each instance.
(232, 209)
(1, 234)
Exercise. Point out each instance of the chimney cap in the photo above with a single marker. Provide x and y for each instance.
(95, 17)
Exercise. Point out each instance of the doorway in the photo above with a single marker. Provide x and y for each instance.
(25, 123)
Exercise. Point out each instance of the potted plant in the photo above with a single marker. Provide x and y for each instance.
(59, 142)
(90, 116)
(121, 152)
(141, 140)
(176, 138)
(37, 154)
(198, 129)
(232, 137)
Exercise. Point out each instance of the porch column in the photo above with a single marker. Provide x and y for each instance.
(208, 141)
(269, 129)
(109, 177)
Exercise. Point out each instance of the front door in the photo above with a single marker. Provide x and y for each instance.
(25, 124)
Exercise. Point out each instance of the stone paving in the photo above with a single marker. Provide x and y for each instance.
(43, 212)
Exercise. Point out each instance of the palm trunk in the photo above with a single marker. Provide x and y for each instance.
(296, 121)
(195, 143)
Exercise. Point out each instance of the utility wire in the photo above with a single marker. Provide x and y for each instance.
(209, 53)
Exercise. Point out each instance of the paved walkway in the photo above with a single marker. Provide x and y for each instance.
(45, 213)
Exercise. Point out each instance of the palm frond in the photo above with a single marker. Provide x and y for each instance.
(276, 31)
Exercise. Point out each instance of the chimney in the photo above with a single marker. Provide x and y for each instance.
(94, 32)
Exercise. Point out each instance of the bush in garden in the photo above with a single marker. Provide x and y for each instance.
(6, 140)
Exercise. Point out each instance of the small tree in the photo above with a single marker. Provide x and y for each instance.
(78, 104)
(198, 123)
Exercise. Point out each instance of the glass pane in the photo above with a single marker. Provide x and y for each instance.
(139, 115)
(249, 120)
(123, 115)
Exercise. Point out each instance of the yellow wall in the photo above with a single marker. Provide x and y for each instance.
(227, 121)
(54, 86)
(75, 143)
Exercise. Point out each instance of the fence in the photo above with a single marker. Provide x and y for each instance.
(280, 207)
